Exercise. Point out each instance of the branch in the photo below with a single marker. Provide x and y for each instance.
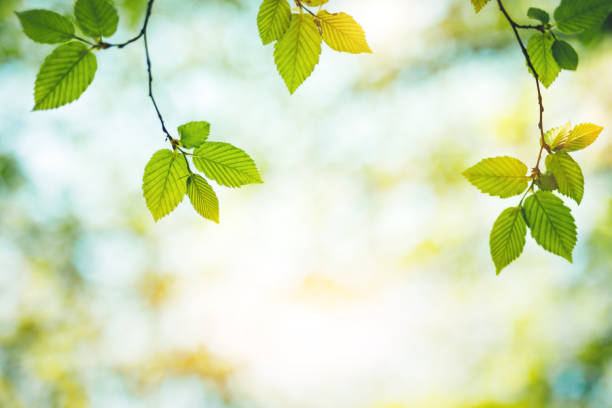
(515, 28)
(143, 31)
(540, 27)
(144, 35)
(159, 115)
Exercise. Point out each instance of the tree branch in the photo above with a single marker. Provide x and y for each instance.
(144, 35)
(515, 28)
(142, 31)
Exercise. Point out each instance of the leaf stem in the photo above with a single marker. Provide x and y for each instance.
(76, 37)
(526, 192)
(302, 7)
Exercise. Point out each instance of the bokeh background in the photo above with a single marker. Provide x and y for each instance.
(357, 276)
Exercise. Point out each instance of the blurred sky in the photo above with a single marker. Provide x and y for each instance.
(358, 275)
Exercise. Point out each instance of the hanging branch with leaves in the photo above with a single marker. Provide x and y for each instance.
(539, 209)
(69, 70)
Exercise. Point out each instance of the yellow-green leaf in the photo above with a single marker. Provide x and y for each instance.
(342, 33)
(64, 75)
(547, 182)
(193, 134)
(499, 176)
(540, 52)
(568, 175)
(165, 182)
(46, 26)
(479, 4)
(551, 223)
(576, 16)
(580, 137)
(297, 53)
(203, 197)
(273, 20)
(507, 238)
(558, 135)
(96, 18)
(226, 164)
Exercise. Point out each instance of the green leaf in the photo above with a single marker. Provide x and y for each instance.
(273, 20)
(203, 197)
(479, 4)
(557, 136)
(45, 26)
(342, 33)
(165, 182)
(96, 18)
(565, 55)
(226, 164)
(507, 238)
(193, 134)
(567, 174)
(538, 14)
(580, 137)
(539, 49)
(576, 16)
(547, 182)
(297, 53)
(499, 176)
(64, 75)
(551, 223)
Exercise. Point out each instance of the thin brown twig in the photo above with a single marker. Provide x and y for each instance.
(143, 31)
(144, 35)
(515, 27)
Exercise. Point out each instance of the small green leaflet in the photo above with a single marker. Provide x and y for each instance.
(96, 18)
(568, 175)
(539, 49)
(547, 182)
(226, 164)
(580, 137)
(499, 176)
(273, 20)
(507, 238)
(165, 182)
(551, 223)
(576, 16)
(193, 134)
(45, 26)
(203, 197)
(565, 55)
(479, 4)
(557, 135)
(64, 75)
(297, 53)
(538, 14)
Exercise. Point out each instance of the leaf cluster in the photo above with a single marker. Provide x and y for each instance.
(70, 68)
(299, 35)
(168, 176)
(549, 220)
